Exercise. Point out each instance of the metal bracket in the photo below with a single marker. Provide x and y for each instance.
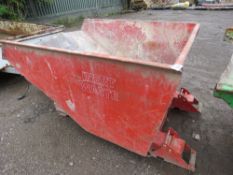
(185, 101)
(170, 147)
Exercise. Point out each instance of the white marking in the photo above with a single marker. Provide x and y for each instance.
(51, 70)
(70, 104)
(99, 85)
(177, 67)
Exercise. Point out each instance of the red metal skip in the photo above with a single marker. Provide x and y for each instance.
(123, 93)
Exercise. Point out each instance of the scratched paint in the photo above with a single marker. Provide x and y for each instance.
(154, 42)
(70, 104)
(116, 98)
(108, 99)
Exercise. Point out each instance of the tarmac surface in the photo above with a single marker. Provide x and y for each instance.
(34, 139)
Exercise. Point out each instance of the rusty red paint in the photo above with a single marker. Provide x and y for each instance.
(184, 100)
(119, 99)
(158, 42)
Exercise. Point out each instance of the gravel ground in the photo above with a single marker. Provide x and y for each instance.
(34, 139)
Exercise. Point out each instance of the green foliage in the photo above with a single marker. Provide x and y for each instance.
(12, 9)
(15, 9)
(229, 34)
(3, 10)
(46, 1)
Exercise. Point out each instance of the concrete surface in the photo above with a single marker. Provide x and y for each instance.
(34, 139)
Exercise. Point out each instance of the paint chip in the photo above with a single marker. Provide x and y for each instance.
(70, 104)
(177, 67)
(18, 65)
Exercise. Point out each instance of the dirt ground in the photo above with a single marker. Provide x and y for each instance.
(34, 139)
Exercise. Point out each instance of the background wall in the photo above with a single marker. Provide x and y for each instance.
(64, 7)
